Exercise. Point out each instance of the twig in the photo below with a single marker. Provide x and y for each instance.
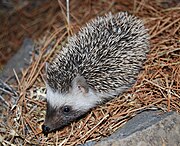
(162, 88)
(7, 89)
(165, 28)
(4, 101)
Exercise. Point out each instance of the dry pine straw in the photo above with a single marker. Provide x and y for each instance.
(158, 86)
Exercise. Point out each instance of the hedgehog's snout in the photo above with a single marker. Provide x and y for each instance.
(45, 130)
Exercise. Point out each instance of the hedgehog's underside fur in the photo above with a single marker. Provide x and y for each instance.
(108, 52)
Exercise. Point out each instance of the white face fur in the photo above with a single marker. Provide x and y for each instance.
(76, 98)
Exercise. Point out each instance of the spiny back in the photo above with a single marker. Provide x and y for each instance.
(108, 52)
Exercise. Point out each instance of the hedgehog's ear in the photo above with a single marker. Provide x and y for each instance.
(79, 83)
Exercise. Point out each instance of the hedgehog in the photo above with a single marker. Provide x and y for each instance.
(97, 64)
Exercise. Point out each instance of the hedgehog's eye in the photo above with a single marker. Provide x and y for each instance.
(66, 109)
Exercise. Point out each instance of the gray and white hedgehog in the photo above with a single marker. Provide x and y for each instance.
(100, 62)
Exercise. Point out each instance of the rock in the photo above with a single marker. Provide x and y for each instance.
(149, 128)
(19, 60)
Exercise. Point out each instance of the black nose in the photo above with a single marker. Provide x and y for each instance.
(45, 130)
